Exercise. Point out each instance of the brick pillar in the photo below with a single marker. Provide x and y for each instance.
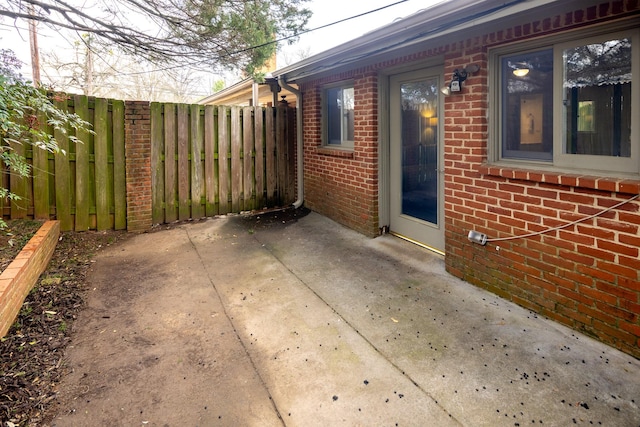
(138, 165)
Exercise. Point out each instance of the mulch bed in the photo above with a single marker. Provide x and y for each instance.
(32, 352)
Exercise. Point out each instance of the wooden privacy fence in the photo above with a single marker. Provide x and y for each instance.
(212, 160)
(204, 161)
(84, 186)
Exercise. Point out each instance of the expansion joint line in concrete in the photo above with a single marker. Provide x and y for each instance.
(396, 367)
(235, 330)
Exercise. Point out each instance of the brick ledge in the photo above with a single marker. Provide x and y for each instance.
(17, 280)
(335, 152)
(615, 185)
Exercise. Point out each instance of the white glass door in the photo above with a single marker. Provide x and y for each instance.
(416, 158)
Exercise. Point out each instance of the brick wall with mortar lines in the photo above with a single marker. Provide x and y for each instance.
(586, 276)
(343, 185)
(138, 165)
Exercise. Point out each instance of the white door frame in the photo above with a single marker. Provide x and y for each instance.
(384, 167)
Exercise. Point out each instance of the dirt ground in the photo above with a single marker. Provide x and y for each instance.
(33, 361)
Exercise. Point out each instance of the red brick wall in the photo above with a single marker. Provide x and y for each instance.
(138, 164)
(343, 185)
(586, 276)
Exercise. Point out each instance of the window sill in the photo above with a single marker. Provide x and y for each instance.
(594, 182)
(335, 152)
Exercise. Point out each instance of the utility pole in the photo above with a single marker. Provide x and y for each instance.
(88, 70)
(35, 54)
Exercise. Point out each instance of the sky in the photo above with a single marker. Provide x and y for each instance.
(329, 11)
(324, 12)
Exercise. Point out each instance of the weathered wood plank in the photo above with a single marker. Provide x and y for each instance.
(281, 152)
(259, 157)
(119, 171)
(248, 158)
(197, 175)
(19, 186)
(270, 156)
(170, 181)
(223, 159)
(236, 160)
(183, 162)
(201, 165)
(157, 165)
(83, 183)
(40, 178)
(104, 186)
(62, 177)
(4, 181)
(210, 162)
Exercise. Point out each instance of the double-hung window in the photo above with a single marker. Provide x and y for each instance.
(338, 116)
(571, 104)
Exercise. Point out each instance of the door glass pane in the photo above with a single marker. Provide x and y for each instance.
(420, 149)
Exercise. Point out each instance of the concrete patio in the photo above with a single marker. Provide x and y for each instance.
(240, 321)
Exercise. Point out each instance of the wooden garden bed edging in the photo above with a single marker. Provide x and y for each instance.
(17, 280)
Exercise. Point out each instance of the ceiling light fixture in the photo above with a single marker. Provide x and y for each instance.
(520, 72)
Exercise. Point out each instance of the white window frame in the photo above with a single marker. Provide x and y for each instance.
(562, 161)
(343, 143)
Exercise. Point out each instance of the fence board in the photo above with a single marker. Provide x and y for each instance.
(259, 157)
(223, 159)
(62, 177)
(248, 138)
(40, 178)
(18, 185)
(171, 213)
(157, 165)
(210, 163)
(197, 176)
(205, 161)
(183, 162)
(236, 160)
(83, 195)
(103, 184)
(281, 152)
(4, 181)
(119, 172)
(270, 159)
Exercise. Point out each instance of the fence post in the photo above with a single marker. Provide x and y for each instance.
(138, 164)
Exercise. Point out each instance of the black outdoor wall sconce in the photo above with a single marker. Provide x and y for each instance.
(459, 75)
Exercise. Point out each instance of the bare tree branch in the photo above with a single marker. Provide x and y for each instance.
(233, 33)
